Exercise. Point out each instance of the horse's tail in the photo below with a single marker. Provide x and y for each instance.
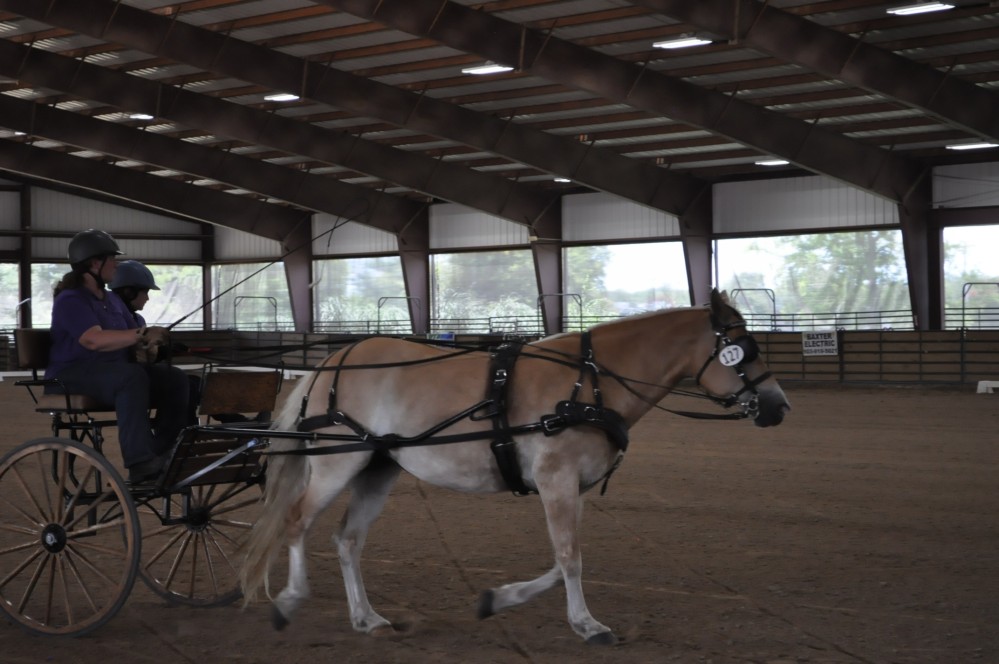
(287, 477)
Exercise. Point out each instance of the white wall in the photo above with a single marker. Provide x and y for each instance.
(597, 217)
(60, 212)
(791, 204)
(348, 238)
(454, 226)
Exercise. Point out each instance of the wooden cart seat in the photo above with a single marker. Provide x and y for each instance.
(231, 396)
(33, 353)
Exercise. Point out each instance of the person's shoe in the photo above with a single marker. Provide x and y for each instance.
(146, 471)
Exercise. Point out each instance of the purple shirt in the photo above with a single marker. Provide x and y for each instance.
(75, 311)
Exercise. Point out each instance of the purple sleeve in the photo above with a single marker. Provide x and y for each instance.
(73, 313)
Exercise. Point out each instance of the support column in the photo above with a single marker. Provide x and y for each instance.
(922, 244)
(696, 232)
(297, 249)
(546, 248)
(24, 264)
(414, 250)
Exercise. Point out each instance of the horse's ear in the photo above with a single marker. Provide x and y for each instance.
(719, 299)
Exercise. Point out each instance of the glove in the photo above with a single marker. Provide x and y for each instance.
(152, 344)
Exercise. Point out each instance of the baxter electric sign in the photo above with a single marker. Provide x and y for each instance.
(819, 343)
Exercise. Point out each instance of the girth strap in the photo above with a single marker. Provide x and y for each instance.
(503, 446)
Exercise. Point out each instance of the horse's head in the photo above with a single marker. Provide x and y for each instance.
(734, 373)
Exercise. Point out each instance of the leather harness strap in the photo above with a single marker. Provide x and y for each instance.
(494, 407)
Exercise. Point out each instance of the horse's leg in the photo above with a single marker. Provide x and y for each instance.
(494, 600)
(327, 480)
(368, 490)
(559, 493)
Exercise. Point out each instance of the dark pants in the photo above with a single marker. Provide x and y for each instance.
(133, 389)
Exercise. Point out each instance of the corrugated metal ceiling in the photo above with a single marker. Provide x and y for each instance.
(705, 114)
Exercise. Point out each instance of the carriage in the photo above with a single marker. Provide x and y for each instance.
(549, 417)
(74, 535)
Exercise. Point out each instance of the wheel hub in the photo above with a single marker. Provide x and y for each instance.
(54, 538)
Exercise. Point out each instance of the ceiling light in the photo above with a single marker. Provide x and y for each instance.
(488, 68)
(562, 180)
(281, 96)
(972, 146)
(772, 162)
(681, 42)
(920, 8)
(140, 116)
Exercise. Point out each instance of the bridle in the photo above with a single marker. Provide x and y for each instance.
(735, 353)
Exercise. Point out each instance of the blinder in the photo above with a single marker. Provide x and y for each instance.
(735, 353)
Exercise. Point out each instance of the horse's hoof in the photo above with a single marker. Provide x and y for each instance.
(278, 621)
(602, 639)
(486, 604)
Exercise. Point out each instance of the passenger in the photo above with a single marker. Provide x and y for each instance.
(93, 335)
(132, 282)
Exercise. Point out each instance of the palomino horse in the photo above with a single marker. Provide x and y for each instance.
(402, 390)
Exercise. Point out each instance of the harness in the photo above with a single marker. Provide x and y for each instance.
(567, 414)
(733, 353)
(493, 407)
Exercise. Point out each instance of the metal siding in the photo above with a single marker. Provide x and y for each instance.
(231, 244)
(56, 211)
(966, 185)
(599, 216)
(794, 204)
(454, 226)
(10, 210)
(349, 238)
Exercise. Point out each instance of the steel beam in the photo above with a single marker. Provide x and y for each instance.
(199, 203)
(540, 54)
(323, 194)
(489, 193)
(760, 26)
(595, 167)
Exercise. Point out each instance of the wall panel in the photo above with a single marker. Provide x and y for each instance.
(231, 244)
(793, 204)
(455, 226)
(966, 185)
(599, 216)
(349, 238)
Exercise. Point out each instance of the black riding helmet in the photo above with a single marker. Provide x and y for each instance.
(91, 243)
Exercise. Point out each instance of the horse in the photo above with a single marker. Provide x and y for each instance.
(393, 392)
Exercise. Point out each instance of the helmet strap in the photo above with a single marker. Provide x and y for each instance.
(101, 284)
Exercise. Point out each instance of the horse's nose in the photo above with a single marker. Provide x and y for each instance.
(771, 413)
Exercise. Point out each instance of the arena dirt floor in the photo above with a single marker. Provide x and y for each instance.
(864, 529)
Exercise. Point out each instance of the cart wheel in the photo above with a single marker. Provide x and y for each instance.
(69, 538)
(191, 542)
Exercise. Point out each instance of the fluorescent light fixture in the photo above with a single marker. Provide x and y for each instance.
(562, 180)
(488, 68)
(772, 162)
(281, 96)
(681, 42)
(140, 116)
(920, 8)
(972, 146)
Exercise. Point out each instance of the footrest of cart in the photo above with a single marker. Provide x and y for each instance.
(216, 455)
